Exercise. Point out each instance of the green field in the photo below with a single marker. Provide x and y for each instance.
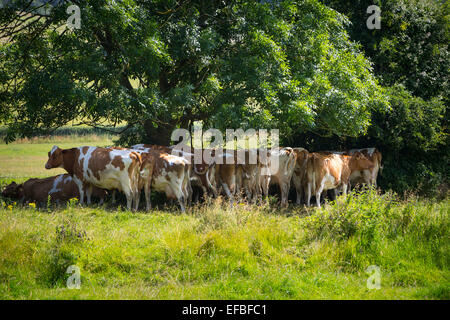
(216, 251)
(26, 158)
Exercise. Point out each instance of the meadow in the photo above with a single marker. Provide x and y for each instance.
(218, 251)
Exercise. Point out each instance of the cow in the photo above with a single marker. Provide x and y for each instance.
(164, 172)
(282, 174)
(247, 173)
(225, 172)
(204, 171)
(13, 191)
(299, 175)
(368, 176)
(263, 173)
(326, 171)
(190, 169)
(105, 168)
(60, 188)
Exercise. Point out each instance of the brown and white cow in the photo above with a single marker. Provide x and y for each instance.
(281, 174)
(331, 170)
(59, 188)
(299, 175)
(163, 172)
(368, 176)
(190, 169)
(104, 168)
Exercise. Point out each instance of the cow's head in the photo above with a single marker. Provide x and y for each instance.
(55, 158)
(13, 191)
(359, 162)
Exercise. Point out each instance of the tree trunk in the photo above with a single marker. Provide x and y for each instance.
(158, 135)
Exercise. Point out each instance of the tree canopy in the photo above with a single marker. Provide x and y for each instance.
(161, 64)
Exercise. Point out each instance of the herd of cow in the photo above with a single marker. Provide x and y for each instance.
(93, 170)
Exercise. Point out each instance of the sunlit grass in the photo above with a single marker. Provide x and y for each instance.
(216, 251)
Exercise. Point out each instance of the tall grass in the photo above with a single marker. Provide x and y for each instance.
(218, 250)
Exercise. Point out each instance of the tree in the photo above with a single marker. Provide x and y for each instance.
(410, 48)
(411, 58)
(162, 64)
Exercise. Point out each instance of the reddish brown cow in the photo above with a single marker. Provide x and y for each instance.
(59, 188)
(368, 176)
(105, 168)
(299, 175)
(329, 171)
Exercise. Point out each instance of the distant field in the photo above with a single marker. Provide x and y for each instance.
(218, 251)
(26, 158)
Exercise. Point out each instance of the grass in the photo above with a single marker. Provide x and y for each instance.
(223, 252)
(218, 251)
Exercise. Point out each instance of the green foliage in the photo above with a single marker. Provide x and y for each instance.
(411, 48)
(413, 142)
(157, 65)
(411, 59)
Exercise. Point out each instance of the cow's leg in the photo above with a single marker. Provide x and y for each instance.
(191, 192)
(366, 177)
(129, 195)
(114, 196)
(204, 193)
(284, 187)
(266, 187)
(137, 198)
(129, 199)
(89, 193)
(227, 190)
(298, 186)
(210, 186)
(299, 196)
(181, 201)
(187, 192)
(180, 197)
(344, 189)
(318, 194)
(308, 195)
(147, 194)
(79, 184)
